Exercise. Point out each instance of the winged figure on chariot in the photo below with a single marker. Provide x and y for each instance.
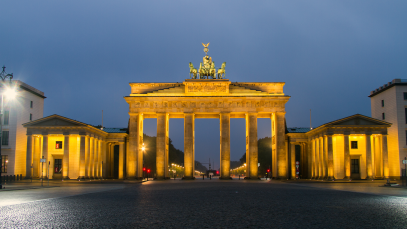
(206, 68)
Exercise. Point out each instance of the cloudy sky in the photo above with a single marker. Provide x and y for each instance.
(83, 54)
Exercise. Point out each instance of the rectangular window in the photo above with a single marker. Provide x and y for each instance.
(354, 144)
(31, 117)
(58, 145)
(382, 103)
(4, 162)
(405, 114)
(31, 104)
(383, 116)
(6, 117)
(4, 139)
(405, 95)
(354, 164)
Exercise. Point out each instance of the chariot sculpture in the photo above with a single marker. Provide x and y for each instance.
(207, 68)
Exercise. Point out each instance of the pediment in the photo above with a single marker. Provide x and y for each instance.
(55, 120)
(358, 120)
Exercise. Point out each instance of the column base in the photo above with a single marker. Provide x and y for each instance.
(369, 178)
(225, 178)
(27, 178)
(188, 178)
(347, 178)
(66, 178)
(331, 178)
(81, 178)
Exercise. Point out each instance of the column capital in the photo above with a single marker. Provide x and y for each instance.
(44, 134)
(346, 133)
(368, 133)
(65, 133)
(82, 134)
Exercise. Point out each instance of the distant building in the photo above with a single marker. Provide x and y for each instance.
(389, 103)
(27, 106)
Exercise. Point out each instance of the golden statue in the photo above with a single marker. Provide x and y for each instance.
(206, 48)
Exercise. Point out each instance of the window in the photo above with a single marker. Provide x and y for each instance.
(58, 145)
(6, 117)
(4, 162)
(31, 104)
(383, 116)
(382, 103)
(405, 95)
(58, 166)
(31, 117)
(354, 144)
(405, 114)
(354, 165)
(4, 139)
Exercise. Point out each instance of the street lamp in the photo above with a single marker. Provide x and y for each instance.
(143, 148)
(10, 93)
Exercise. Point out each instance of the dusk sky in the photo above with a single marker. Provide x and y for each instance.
(83, 54)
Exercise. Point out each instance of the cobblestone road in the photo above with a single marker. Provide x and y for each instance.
(210, 204)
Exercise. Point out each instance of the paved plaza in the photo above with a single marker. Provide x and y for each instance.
(204, 204)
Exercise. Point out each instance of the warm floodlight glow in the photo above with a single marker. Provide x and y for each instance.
(10, 93)
(143, 148)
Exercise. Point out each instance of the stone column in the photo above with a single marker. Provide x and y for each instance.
(385, 156)
(87, 158)
(322, 156)
(281, 148)
(91, 157)
(135, 154)
(310, 166)
(251, 141)
(112, 160)
(104, 159)
(325, 152)
(378, 158)
(189, 143)
(36, 157)
(317, 159)
(29, 159)
(369, 164)
(65, 161)
(161, 146)
(330, 158)
(82, 152)
(96, 165)
(121, 159)
(225, 146)
(312, 157)
(44, 155)
(346, 154)
(293, 168)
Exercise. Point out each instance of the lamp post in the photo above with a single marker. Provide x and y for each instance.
(3, 76)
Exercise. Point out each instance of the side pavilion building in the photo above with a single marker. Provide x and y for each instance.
(74, 150)
(354, 147)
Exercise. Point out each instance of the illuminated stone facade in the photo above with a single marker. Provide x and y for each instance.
(206, 98)
(85, 152)
(354, 147)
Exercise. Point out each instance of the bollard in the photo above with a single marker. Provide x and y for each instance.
(210, 177)
(14, 177)
(203, 177)
(239, 177)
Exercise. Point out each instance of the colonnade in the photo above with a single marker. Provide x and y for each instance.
(82, 155)
(330, 156)
(135, 154)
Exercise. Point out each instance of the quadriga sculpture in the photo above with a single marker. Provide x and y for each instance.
(192, 71)
(221, 71)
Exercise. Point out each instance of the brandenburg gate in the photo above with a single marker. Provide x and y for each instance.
(206, 95)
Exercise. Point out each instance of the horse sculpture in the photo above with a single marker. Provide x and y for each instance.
(221, 71)
(192, 71)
